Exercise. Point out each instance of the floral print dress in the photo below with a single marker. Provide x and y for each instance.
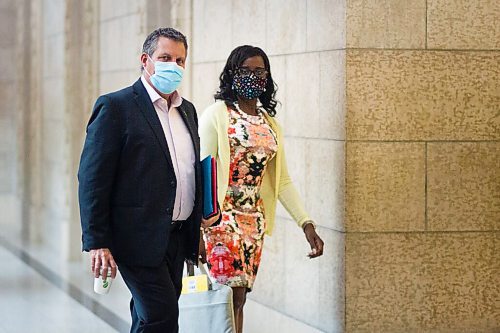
(234, 246)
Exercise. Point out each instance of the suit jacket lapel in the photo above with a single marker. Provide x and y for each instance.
(147, 108)
(193, 131)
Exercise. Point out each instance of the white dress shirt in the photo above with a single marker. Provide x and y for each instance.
(180, 146)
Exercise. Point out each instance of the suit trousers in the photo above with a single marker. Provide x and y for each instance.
(155, 290)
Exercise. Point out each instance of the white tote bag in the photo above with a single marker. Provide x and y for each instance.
(207, 311)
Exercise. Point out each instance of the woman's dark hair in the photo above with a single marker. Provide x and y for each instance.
(235, 60)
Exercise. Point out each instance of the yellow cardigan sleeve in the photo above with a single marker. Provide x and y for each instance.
(287, 193)
(213, 121)
(207, 129)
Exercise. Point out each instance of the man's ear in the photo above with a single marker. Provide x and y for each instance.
(144, 59)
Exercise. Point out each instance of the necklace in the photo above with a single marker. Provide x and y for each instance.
(257, 110)
(257, 119)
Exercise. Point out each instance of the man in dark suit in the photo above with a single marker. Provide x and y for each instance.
(140, 184)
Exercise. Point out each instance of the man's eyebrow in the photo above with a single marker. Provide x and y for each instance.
(164, 54)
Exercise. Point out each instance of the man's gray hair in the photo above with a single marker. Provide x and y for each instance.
(151, 42)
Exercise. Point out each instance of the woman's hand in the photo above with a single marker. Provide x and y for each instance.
(314, 241)
(210, 221)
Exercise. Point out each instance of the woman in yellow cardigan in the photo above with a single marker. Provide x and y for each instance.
(240, 131)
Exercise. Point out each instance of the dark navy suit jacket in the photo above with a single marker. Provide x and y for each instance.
(127, 182)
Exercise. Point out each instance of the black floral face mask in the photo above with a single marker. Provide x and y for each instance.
(249, 86)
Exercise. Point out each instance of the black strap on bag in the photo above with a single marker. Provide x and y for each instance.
(190, 269)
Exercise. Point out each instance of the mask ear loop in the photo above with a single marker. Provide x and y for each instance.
(144, 67)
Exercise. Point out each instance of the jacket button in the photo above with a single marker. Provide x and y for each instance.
(172, 183)
(169, 210)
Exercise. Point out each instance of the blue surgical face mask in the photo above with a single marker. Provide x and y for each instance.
(167, 76)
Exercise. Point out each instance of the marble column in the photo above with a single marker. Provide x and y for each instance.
(81, 89)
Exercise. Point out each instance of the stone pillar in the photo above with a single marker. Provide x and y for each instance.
(23, 53)
(81, 89)
(9, 117)
(33, 121)
(422, 172)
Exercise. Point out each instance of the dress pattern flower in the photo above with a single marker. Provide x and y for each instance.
(234, 247)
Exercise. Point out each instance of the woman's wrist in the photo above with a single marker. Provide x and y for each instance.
(308, 222)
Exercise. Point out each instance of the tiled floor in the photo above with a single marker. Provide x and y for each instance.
(41, 292)
(30, 303)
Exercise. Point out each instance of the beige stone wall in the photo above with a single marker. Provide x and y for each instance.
(121, 33)
(422, 166)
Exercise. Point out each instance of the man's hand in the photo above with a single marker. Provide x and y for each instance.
(314, 241)
(102, 258)
(210, 221)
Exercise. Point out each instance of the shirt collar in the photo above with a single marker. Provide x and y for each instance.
(175, 98)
